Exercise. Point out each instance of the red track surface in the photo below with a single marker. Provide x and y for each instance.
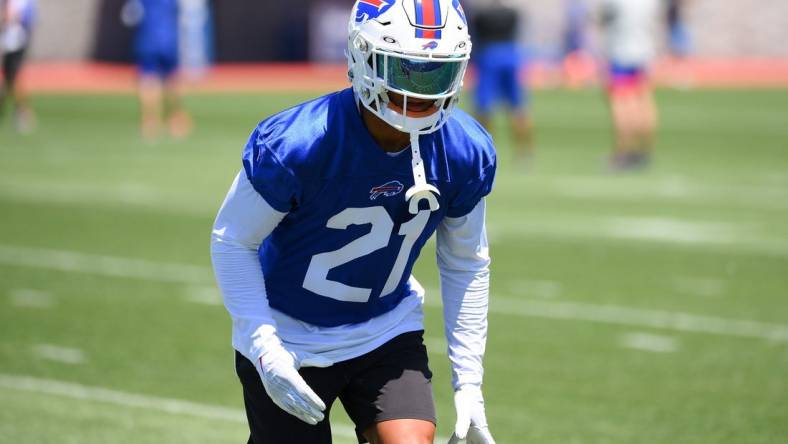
(107, 78)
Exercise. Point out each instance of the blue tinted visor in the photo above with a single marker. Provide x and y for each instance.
(427, 77)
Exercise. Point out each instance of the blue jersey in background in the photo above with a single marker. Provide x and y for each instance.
(156, 38)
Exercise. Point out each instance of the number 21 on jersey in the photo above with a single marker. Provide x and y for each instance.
(379, 236)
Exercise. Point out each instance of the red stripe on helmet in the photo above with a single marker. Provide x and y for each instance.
(430, 16)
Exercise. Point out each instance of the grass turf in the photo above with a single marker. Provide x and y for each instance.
(635, 308)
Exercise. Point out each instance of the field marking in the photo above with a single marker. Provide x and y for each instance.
(125, 194)
(30, 298)
(670, 230)
(536, 288)
(735, 237)
(436, 345)
(649, 342)
(700, 286)
(113, 266)
(638, 317)
(204, 295)
(728, 238)
(145, 402)
(770, 195)
(509, 305)
(66, 355)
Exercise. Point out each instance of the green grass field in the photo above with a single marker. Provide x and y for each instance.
(637, 308)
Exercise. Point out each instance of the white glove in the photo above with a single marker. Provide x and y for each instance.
(471, 420)
(278, 369)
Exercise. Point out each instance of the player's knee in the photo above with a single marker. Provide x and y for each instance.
(401, 432)
(408, 439)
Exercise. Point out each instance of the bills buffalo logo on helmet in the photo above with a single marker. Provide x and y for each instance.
(431, 45)
(388, 189)
(372, 9)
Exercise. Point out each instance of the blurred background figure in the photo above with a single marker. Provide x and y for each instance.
(679, 42)
(629, 28)
(500, 61)
(196, 50)
(16, 26)
(156, 53)
(577, 65)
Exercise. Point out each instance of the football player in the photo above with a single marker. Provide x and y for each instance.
(17, 18)
(499, 62)
(314, 245)
(156, 53)
(630, 31)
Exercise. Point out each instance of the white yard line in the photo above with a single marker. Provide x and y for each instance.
(71, 261)
(509, 305)
(649, 342)
(57, 353)
(726, 237)
(145, 402)
(700, 286)
(29, 298)
(203, 295)
(682, 188)
(536, 288)
(126, 194)
(637, 317)
(436, 345)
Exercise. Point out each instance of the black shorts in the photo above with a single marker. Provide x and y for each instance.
(392, 382)
(12, 63)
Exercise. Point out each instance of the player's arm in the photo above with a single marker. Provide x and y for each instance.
(464, 265)
(244, 221)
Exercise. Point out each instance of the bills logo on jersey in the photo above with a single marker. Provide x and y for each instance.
(372, 9)
(388, 189)
(460, 10)
(431, 45)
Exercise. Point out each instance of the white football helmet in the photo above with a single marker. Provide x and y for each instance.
(418, 49)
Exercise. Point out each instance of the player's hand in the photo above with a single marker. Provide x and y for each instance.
(471, 420)
(278, 370)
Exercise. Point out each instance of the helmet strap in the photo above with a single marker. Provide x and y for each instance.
(420, 189)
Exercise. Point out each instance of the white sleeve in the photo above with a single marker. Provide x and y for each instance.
(464, 265)
(244, 221)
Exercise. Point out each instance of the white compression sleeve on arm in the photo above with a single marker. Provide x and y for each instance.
(464, 265)
(242, 224)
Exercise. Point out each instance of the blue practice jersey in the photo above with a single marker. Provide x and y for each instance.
(158, 30)
(345, 250)
(25, 11)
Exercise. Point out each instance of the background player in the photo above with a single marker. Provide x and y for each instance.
(679, 40)
(577, 65)
(17, 18)
(156, 52)
(314, 245)
(630, 31)
(679, 43)
(499, 63)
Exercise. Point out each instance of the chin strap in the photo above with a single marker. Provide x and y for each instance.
(421, 189)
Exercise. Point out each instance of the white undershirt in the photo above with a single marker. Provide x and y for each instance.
(246, 219)
(631, 36)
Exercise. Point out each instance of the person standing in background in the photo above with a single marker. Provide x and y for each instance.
(499, 63)
(577, 66)
(16, 24)
(156, 52)
(630, 32)
(679, 43)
